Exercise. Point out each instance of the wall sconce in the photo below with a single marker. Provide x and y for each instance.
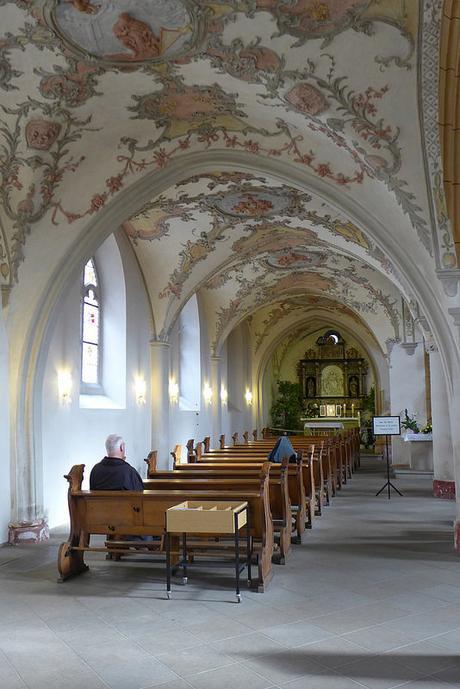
(65, 386)
(140, 388)
(248, 397)
(207, 393)
(223, 394)
(173, 391)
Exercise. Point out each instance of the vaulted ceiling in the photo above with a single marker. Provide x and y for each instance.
(306, 115)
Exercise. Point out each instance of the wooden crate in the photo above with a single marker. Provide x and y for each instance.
(205, 517)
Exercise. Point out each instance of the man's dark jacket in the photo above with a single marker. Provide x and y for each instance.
(114, 474)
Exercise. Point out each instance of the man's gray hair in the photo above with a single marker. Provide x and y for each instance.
(112, 444)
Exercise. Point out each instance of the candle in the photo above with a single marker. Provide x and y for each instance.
(352, 410)
(344, 409)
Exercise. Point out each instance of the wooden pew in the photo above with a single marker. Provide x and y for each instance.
(300, 483)
(243, 479)
(121, 514)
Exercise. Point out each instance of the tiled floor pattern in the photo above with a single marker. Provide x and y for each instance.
(370, 599)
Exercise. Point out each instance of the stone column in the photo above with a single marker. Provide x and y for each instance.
(454, 407)
(159, 357)
(216, 381)
(443, 462)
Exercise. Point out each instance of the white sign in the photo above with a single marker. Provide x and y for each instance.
(386, 425)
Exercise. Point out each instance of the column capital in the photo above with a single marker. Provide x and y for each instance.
(159, 344)
(409, 347)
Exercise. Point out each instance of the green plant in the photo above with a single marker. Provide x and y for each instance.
(368, 401)
(367, 436)
(428, 427)
(410, 423)
(287, 408)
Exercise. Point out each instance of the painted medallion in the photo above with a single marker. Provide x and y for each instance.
(252, 204)
(295, 259)
(126, 31)
(314, 18)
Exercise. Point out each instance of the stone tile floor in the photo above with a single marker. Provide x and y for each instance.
(370, 599)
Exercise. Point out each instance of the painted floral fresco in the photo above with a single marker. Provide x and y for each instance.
(166, 42)
(248, 289)
(101, 95)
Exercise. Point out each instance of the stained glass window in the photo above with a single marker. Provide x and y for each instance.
(90, 326)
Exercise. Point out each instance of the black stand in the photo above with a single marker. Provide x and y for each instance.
(388, 483)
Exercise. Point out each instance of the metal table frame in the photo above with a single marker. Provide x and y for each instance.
(238, 567)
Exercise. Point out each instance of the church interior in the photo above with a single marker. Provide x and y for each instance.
(222, 221)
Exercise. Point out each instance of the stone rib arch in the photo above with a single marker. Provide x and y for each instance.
(26, 404)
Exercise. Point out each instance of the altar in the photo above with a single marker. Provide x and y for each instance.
(333, 379)
(324, 423)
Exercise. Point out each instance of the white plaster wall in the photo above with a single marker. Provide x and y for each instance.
(72, 435)
(407, 382)
(205, 419)
(190, 366)
(407, 391)
(183, 423)
(238, 417)
(4, 436)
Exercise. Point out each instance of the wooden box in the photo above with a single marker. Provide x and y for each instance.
(205, 517)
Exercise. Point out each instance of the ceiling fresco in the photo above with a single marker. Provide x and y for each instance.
(161, 78)
(220, 232)
(243, 290)
(98, 94)
(126, 31)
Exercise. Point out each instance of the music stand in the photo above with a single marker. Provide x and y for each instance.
(387, 426)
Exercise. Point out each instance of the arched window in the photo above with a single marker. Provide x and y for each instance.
(90, 328)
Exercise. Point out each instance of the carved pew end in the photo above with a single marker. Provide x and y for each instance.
(70, 563)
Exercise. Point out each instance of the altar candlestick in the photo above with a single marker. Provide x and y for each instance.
(344, 409)
(353, 410)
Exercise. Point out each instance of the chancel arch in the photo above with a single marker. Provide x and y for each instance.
(128, 203)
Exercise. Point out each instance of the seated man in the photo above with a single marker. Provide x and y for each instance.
(114, 472)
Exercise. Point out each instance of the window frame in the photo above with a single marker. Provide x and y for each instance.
(91, 388)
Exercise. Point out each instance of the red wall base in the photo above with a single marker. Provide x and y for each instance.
(444, 489)
(28, 532)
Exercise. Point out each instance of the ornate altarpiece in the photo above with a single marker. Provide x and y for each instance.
(332, 373)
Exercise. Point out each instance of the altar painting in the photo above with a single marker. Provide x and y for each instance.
(332, 382)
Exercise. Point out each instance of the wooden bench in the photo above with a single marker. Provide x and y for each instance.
(244, 478)
(300, 482)
(120, 514)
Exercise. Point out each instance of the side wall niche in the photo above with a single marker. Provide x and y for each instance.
(75, 435)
